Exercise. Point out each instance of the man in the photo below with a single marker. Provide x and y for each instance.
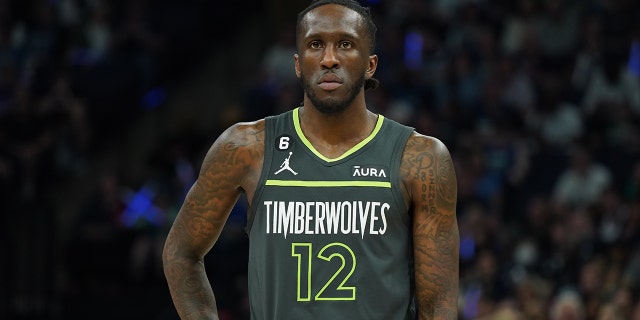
(360, 225)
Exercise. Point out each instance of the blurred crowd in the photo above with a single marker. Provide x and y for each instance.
(537, 100)
(78, 234)
(539, 103)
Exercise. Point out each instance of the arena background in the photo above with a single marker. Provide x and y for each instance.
(107, 109)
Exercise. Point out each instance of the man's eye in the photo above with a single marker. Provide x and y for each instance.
(345, 45)
(315, 44)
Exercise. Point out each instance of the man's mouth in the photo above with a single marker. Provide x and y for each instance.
(329, 85)
(330, 82)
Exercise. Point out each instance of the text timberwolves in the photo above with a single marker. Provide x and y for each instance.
(331, 217)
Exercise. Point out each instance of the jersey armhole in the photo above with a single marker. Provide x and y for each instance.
(396, 161)
(269, 128)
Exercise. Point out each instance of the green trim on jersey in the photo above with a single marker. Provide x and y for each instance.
(296, 123)
(301, 183)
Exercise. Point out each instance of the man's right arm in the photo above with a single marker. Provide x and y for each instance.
(202, 217)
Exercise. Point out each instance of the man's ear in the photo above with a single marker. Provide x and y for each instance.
(296, 59)
(373, 65)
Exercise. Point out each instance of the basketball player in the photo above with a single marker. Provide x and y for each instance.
(352, 215)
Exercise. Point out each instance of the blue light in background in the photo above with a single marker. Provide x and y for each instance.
(634, 58)
(140, 207)
(413, 44)
(153, 98)
(471, 302)
(467, 248)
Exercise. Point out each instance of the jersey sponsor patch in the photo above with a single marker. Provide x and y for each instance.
(369, 171)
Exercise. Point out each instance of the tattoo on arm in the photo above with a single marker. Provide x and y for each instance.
(433, 189)
(202, 217)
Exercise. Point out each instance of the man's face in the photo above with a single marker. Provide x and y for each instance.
(333, 60)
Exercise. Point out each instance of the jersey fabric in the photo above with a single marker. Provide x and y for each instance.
(330, 238)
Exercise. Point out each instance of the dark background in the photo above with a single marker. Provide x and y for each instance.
(107, 109)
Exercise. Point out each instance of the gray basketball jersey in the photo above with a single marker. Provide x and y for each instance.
(330, 238)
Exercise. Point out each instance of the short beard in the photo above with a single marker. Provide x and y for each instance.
(332, 106)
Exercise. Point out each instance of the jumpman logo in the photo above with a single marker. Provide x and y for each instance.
(285, 165)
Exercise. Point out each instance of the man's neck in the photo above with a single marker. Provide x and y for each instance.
(334, 134)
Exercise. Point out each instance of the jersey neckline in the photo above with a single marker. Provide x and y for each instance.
(303, 138)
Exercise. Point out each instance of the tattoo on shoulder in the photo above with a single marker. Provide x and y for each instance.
(237, 146)
(427, 162)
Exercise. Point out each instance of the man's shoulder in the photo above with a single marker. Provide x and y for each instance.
(241, 136)
(240, 144)
(245, 131)
(422, 152)
(418, 142)
(248, 126)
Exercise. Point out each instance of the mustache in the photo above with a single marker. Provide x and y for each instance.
(330, 76)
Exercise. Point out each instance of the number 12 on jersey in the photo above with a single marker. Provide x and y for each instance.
(334, 287)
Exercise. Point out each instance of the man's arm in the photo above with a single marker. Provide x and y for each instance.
(226, 167)
(431, 185)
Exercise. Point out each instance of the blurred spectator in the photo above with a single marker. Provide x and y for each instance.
(140, 44)
(623, 301)
(98, 34)
(29, 141)
(610, 312)
(483, 289)
(69, 123)
(519, 33)
(591, 282)
(567, 305)
(276, 87)
(465, 84)
(635, 315)
(611, 85)
(97, 248)
(583, 180)
(556, 120)
(590, 51)
(557, 28)
(278, 59)
(510, 89)
(533, 293)
(504, 311)
(614, 217)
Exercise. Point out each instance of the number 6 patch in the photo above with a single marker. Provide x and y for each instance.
(284, 142)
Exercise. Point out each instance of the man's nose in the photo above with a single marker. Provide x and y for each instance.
(330, 58)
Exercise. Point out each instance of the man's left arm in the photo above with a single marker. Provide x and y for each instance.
(431, 189)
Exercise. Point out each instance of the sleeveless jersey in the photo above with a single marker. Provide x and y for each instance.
(330, 238)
